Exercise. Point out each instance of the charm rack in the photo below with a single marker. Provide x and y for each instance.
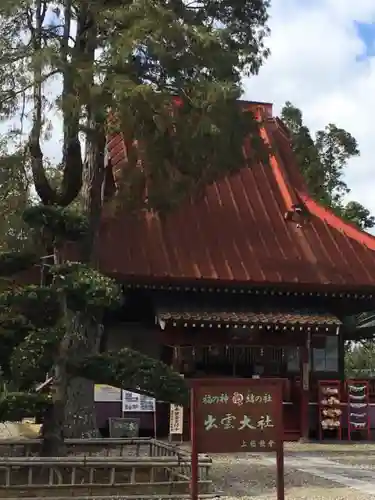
(358, 407)
(330, 410)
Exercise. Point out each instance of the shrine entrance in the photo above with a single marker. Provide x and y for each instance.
(244, 361)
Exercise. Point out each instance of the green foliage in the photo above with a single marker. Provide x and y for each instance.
(13, 330)
(150, 52)
(14, 406)
(360, 360)
(59, 223)
(357, 214)
(206, 143)
(85, 288)
(323, 160)
(33, 357)
(335, 147)
(15, 262)
(134, 371)
(39, 304)
(14, 192)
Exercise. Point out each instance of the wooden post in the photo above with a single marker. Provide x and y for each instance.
(305, 388)
(194, 484)
(280, 475)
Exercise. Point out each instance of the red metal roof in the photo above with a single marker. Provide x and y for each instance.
(247, 228)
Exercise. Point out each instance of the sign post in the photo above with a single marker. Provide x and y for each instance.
(176, 421)
(237, 415)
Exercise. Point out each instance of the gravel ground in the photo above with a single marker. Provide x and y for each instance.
(361, 462)
(328, 448)
(246, 478)
(358, 455)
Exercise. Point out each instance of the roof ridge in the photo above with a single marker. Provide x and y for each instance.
(297, 175)
(282, 176)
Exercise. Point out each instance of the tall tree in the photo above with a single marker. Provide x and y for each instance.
(132, 58)
(360, 360)
(323, 160)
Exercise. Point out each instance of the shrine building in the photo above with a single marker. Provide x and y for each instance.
(252, 279)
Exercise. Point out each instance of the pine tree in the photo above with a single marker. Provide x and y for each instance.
(169, 72)
(36, 332)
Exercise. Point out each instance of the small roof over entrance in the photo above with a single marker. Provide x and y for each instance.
(191, 316)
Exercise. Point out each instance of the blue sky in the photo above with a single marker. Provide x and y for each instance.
(366, 32)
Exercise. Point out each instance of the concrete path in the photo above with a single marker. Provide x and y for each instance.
(345, 475)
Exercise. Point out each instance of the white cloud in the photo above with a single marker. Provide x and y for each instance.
(314, 63)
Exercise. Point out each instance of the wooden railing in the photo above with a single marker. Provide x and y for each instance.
(93, 476)
(100, 468)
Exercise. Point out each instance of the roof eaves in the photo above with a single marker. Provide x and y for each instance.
(336, 222)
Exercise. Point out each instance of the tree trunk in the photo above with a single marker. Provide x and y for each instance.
(80, 415)
(86, 331)
(52, 433)
(53, 427)
(73, 411)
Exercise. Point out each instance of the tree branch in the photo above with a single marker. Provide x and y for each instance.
(14, 93)
(47, 194)
(72, 156)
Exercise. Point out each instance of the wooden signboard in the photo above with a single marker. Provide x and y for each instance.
(176, 420)
(237, 415)
(124, 427)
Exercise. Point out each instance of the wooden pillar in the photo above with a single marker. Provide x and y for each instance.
(305, 388)
(176, 359)
(341, 354)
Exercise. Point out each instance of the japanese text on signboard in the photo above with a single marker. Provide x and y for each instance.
(135, 402)
(176, 419)
(246, 418)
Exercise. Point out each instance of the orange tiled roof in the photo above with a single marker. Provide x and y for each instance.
(247, 229)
